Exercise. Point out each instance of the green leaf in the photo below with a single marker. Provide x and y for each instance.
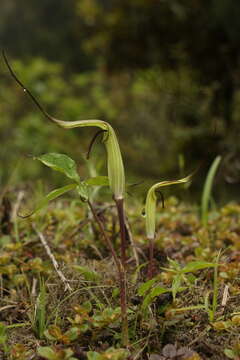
(51, 196)
(93, 355)
(111, 354)
(84, 308)
(61, 163)
(3, 334)
(53, 333)
(106, 317)
(40, 315)
(68, 353)
(49, 353)
(151, 296)
(83, 191)
(191, 278)
(98, 181)
(67, 166)
(174, 264)
(230, 353)
(115, 292)
(197, 265)
(146, 286)
(72, 334)
(46, 352)
(89, 275)
(87, 306)
(176, 285)
(4, 240)
(116, 354)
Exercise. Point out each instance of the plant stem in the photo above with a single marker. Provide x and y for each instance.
(121, 217)
(123, 294)
(151, 258)
(121, 274)
(215, 287)
(106, 238)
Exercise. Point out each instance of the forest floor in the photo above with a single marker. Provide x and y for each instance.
(68, 308)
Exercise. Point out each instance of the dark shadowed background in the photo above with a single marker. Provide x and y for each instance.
(165, 74)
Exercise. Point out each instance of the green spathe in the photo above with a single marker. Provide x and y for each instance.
(151, 201)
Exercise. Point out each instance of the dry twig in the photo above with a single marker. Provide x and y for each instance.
(54, 261)
(225, 295)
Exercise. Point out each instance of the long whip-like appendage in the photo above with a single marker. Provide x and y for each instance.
(25, 89)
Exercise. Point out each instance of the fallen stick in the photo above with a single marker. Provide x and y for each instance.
(53, 259)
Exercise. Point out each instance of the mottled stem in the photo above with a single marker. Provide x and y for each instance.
(122, 277)
(121, 217)
(151, 258)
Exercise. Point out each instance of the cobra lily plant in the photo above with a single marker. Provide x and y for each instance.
(116, 177)
(150, 215)
(116, 182)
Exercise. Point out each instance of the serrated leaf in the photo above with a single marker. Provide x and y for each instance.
(61, 163)
(98, 181)
(145, 287)
(197, 265)
(51, 196)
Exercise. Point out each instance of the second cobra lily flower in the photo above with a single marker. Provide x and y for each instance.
(150, 213)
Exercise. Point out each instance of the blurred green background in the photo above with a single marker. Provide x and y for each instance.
(165, 74)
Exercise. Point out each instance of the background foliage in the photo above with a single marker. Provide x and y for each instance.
(164, 73)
